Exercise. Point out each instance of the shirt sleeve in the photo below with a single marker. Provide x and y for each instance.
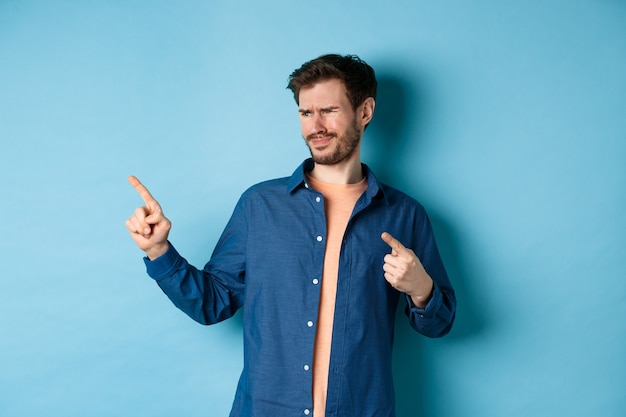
(436, 319)
(212, 294)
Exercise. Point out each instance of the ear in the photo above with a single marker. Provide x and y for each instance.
(366, 111)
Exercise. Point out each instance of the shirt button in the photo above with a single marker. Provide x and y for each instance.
(319, 238)
(316, 281)
(306, 367)
(309, 323)
(307, 412)
(318, 199)
(306, 185)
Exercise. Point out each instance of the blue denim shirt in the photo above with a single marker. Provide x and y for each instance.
(269, 262)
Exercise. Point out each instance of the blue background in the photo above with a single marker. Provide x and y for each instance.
(505, 119)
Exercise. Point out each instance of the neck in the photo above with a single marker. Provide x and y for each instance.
(348, 171)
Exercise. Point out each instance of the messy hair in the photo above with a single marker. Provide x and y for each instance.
(356, 74)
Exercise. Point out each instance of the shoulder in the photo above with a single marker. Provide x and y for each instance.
(391, 197)
(271, 185)
(272, 190)
(396, 198)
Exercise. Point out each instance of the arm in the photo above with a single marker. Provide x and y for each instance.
(207, 296)
(431, 302)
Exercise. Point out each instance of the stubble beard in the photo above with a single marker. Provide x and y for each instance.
(345, 146)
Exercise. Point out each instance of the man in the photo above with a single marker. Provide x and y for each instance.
(318, 261)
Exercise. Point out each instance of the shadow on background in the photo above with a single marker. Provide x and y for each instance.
(401, 105)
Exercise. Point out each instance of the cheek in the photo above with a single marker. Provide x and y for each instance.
(339, 127)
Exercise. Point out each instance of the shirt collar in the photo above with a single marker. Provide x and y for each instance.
(298, 180)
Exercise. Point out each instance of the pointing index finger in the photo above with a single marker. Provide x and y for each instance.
(392, 242)
(141, 189)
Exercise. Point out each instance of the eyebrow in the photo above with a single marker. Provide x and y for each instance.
(328, 108)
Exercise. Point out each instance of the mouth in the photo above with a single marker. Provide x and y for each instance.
(320, 141)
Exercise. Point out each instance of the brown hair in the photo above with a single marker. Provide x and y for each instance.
(356, 74)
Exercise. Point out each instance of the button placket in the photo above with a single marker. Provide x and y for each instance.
(316, 198)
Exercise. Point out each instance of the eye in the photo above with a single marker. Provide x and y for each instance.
(305, 113)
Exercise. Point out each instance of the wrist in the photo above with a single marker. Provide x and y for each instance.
(422, 298)
(156, 251)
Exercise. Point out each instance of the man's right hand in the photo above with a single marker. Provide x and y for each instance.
(148, 226)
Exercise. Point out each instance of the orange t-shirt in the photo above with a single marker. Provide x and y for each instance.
(339, 201)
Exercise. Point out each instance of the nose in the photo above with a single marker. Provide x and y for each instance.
(315, 125)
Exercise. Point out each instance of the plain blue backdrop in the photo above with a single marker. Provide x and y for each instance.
(507, 120)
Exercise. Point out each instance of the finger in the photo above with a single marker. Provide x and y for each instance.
(139, 223)
(395, 265)
(142, 190)
(130, 225)
(133, 227)
(389, 268)
(145, 219)
(392, 242)
(392, 261)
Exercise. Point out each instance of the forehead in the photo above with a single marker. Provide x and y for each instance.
(324, 93)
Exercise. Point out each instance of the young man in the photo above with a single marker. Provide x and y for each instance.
(318, 261)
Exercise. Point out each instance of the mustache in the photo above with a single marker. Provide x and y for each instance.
(314, 136)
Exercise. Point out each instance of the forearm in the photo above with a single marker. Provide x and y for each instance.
(195, 292)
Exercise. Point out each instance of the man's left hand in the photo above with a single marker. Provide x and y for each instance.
(404, 271)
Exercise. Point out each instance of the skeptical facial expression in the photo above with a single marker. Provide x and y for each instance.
(328, 122)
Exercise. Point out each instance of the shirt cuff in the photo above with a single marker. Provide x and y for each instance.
(164, 265)
(434, 301)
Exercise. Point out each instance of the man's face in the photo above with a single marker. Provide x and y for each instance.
(328, 122)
